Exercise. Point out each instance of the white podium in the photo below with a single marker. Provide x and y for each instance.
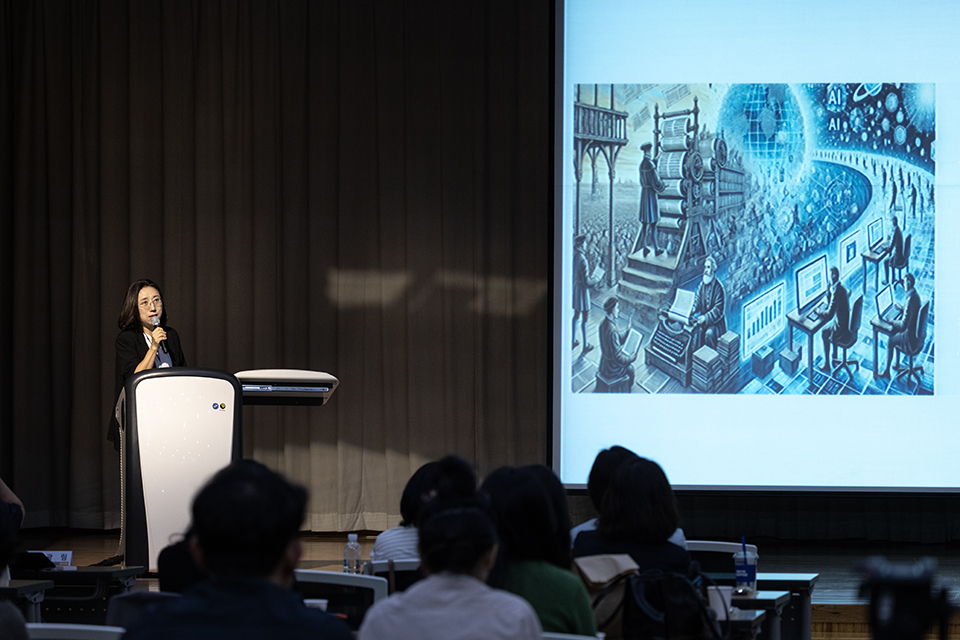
(178, 427)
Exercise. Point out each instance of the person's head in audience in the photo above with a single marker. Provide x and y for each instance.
(456, 481)
(456, 532)
(420, 489)
(528, 521)
(558, 500)
(176, 570)
(639, 504)
(246, 523)
(604, 466)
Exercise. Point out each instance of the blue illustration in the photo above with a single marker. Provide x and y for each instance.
(756, 238)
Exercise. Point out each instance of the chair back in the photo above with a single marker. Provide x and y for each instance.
(348, 594)
(921, 329)
(716, 556)
(855, 319)
(56, 631)
(905, 256)
(400, 574)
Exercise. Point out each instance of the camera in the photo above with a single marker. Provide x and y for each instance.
(903, 599)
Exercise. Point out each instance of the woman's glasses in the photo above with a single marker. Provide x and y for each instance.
(145, 304)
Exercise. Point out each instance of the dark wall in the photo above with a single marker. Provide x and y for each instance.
(359, 187)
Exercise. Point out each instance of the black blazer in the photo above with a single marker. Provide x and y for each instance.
(131, 349)
(840, 307)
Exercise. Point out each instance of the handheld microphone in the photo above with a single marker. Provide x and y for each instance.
(155, 321)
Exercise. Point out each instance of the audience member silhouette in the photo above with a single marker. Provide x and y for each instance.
(401, 542)
(638, 516)
(604, 466)
(245, 534)
(534, 560)
(458, 547)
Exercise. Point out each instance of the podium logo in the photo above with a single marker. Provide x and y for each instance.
(219, 406)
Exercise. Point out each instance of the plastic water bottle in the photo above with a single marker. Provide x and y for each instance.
(351, 554)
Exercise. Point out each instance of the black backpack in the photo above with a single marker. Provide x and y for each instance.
(658, 605)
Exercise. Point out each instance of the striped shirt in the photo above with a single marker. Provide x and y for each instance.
(399, 543)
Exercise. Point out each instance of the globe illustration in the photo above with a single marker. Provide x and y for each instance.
(765, 122)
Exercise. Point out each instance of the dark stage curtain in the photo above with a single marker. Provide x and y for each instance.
(359, 187)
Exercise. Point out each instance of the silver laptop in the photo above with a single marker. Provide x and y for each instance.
(885, 309)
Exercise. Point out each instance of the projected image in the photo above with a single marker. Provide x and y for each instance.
(753, 238)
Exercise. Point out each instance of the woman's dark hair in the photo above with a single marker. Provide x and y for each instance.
(455, 527)
(604, 466)
(130, 312)
(420, 489)
(530, 513)
(558, 499)
(455, 539)
(639, 504)
(456, 481)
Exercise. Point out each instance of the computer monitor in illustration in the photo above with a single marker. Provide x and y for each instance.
(812, 284)
(875, 234)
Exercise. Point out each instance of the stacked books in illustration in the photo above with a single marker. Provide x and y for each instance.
(707, 370)
(728, 346)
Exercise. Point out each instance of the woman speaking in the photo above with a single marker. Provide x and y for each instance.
(145, 340)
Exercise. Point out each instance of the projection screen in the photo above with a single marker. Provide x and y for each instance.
(740, 187)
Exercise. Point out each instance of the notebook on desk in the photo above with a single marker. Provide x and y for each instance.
(885, 309)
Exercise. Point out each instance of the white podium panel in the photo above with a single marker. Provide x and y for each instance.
(182, 426)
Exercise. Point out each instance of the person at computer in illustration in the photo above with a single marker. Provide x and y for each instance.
(904, 335)
(896, 251)
(615, 362)
(838, 314)
(708, 303)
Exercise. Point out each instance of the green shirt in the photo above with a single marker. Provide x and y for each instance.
(558, 596)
